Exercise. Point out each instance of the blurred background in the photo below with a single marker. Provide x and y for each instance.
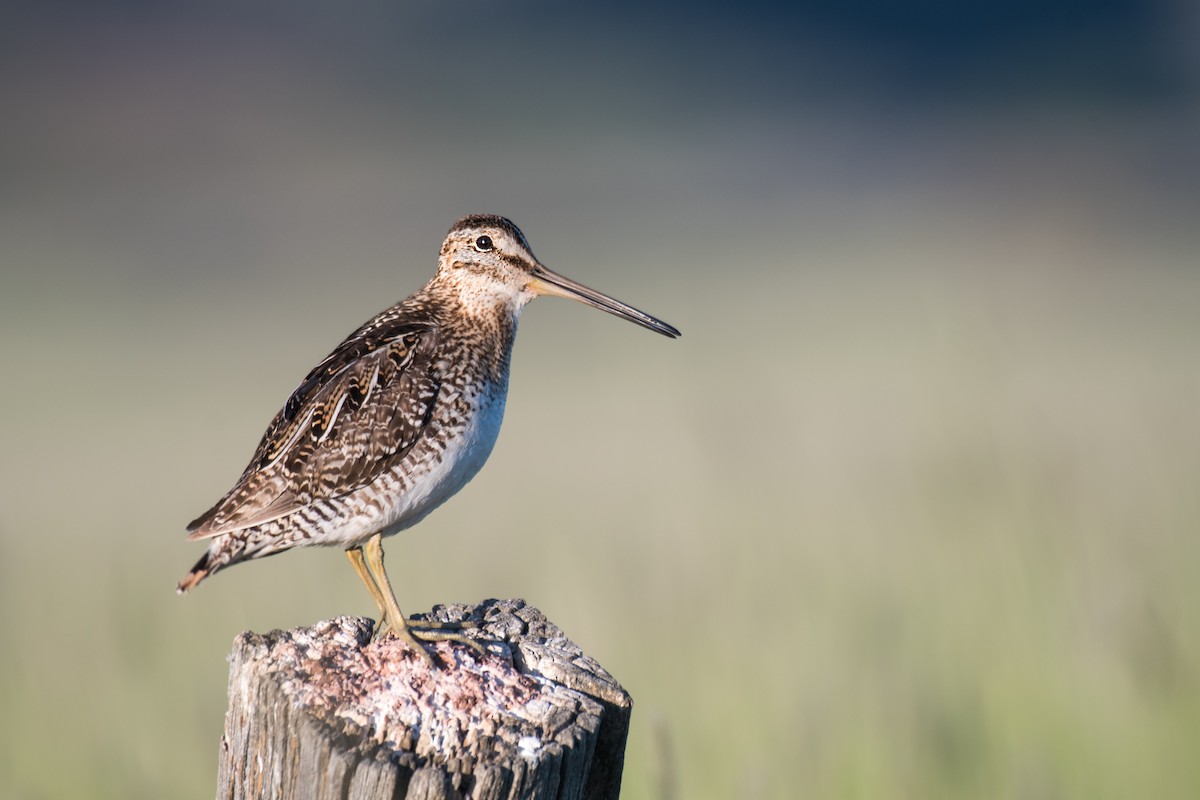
(910, 510)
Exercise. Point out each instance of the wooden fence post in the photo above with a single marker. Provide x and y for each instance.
(323, 713)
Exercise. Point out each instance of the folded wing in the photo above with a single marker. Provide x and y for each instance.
(357, 414)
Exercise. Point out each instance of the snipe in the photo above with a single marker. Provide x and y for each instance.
(399, 417)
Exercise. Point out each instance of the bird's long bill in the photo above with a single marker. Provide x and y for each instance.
(547, 282)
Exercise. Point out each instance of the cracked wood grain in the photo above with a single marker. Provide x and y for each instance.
(324, 713)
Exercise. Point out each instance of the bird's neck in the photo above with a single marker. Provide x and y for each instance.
(485, 322)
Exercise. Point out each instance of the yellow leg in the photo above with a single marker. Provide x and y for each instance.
(394, 617)
(355, 554)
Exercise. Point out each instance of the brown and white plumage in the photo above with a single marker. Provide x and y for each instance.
(399, 416)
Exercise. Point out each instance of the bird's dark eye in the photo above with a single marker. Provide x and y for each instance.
(483, 244)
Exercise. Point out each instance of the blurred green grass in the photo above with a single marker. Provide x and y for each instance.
(899, 521)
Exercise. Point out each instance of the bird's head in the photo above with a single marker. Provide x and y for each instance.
(487, 260)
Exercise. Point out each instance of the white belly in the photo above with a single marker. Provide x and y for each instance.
(461, 460)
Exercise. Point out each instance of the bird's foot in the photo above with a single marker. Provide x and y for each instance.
(437, 625)
(449, 636)
(417, 638)
(424, 624)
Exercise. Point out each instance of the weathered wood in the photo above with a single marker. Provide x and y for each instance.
(324, 713)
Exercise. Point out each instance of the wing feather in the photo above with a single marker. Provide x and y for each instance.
(353, 417)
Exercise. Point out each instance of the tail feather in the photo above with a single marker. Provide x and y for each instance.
(198, 573)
